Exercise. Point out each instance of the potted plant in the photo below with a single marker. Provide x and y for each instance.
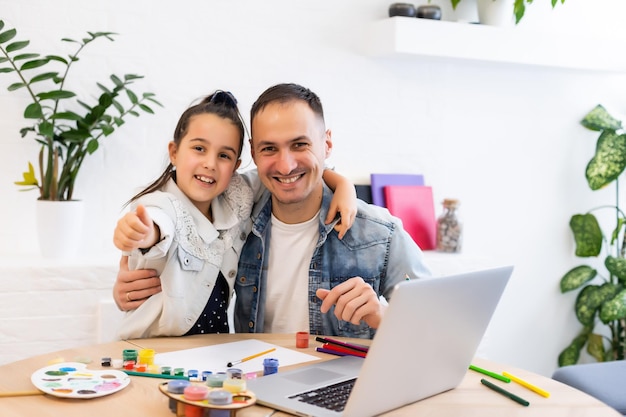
(519, 6)
(601, 301)
(67, 128)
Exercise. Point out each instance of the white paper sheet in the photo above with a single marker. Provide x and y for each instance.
(214, 358)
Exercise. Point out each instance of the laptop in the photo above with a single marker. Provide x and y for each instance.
(424, 346)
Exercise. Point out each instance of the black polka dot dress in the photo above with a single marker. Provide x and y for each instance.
(214, 319)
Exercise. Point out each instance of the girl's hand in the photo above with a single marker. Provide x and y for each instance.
(135, 230)
(344, 204)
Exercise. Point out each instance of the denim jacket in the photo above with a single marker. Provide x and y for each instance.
(376, 248)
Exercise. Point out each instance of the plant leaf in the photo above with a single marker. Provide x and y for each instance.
(57, 58)
(595, 346)
(42, 77)
(609, 160)
(8, 35)
(29, 177)
(116, 80)
(571, 353)
(16, 46)
(35, 63)
(146, 108)
(7, 69)
(616, 266)
(600, 119)
(24, 56)
(576, 277)
(132, 97)
(15, 86)
(614, 309)
(46, 129)
(66, 115)
(92, 146)
(590, 299)
(587, 235)
(56, 95)
(33, 111)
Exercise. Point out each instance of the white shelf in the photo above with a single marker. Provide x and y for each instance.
(404, 36)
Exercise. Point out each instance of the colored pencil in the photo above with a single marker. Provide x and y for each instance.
(504, 392)
(489, 373)
(247, 358)
(335, 350)
(20, 393)
(528, 385)
(360, 348)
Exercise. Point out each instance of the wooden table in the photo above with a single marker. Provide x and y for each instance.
(142, 396)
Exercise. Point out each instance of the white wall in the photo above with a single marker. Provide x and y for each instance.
(504, 139)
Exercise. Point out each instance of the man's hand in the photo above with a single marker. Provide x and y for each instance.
(354, 300)
(133, 288)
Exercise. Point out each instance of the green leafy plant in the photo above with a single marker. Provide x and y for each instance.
(519, 7)
(66, 134)
(601, 301)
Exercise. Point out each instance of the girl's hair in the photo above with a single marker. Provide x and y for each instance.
(220, 103)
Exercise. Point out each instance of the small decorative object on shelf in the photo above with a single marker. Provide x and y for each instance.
(449, 227)
(402, 9)
(429, 12)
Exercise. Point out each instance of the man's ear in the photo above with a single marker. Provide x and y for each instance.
(328, 142)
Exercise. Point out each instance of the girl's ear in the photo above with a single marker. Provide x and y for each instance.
(171, 149)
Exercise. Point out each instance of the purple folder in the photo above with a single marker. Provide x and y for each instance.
(380, 181)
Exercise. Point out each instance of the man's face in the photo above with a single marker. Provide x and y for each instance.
(289, 146)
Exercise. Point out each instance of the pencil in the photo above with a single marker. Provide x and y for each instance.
(20, 393)
(504, 392)
(247, 358)
(150, 375)
(528, 385)
(489, 373)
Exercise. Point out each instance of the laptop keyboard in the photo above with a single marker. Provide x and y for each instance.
(332, 397)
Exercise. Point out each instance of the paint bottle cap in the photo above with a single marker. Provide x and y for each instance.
(129, 355)
(196, 392)
(205, 374)
(216, 380)
(166, 370)
(270, 366)
(179, 371)
(234, 385)
(220, 397)
(118, 363)
(146, 356)
(251, 375)
(234, 373)
(177, 386)
(302, 340)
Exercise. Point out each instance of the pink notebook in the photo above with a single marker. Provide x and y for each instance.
(414, 205)
(380, 181)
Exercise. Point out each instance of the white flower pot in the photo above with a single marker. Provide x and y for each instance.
(496, 12)
(59, 227)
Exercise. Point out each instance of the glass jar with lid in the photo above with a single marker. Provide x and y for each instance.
(449, 227)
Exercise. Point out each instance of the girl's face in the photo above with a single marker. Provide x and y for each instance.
(206, 159)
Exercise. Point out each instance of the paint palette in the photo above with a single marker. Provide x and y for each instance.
(74, 380)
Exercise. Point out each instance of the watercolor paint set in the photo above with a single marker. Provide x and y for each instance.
(74, 380)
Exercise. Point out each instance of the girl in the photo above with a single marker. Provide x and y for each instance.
(191, 223)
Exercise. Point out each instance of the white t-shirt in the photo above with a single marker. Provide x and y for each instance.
(291, 249)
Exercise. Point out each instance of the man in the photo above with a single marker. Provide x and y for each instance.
(295, 273)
